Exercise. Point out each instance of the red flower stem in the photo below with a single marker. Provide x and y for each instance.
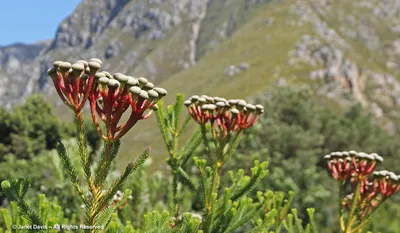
(123, 106)
(75, 89)
(67, 88)
(95, 121)
(90, 88)
(149, 114)
(61, 95)
(100, 112)
(133, 118)
(107, 99)
(128, 125)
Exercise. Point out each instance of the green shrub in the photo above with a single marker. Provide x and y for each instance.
(215, 182)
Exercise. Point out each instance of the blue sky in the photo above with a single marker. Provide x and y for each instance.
(28, 21)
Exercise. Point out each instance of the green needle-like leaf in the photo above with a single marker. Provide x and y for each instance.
(104, 200)
(191, 146)
(105, 165)
(72, 174)
(185, 179)
(177, 110)
(164, 125)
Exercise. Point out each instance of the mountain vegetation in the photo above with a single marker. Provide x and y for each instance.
(326, 72)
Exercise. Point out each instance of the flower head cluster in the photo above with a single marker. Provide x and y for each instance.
(229, 115)
(109, 96)
(114, 95)
(386, 183)
(352, 164)
(382, 186)
(74, 82)
(369, 188)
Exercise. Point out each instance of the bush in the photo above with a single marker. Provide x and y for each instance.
(30, 129)
(219, 190)
(295, 130)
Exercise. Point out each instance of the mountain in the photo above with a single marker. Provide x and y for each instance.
(151, 38)
(13, 74)
(346, 50)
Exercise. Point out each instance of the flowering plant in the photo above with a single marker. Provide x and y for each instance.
(109, 97)
(369, 188)
(118, 102)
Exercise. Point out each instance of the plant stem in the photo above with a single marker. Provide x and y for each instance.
(214, 189)
(235, 143)
(216, 175)
(83, 151)
(174, 166)
(175, 144)
(100, 179)
(350, 220)
(175, 193)
(102, 170)
(206, 142)
(340, 205)
(214, 136)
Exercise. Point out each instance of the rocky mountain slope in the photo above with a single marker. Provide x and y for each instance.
(14, 76)
(152, 38)
(347, 50)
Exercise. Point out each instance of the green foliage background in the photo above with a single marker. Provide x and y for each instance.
(293, 134)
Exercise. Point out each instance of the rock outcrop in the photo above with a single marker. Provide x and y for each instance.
(149, 38)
